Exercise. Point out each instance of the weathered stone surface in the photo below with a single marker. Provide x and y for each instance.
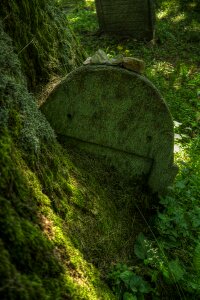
(119, 115)
(127, 17)
(134, 64)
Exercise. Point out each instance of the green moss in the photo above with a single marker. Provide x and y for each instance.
(14, 285)
(18, 110)
(54, 231)
(40, 259)
(42, 38)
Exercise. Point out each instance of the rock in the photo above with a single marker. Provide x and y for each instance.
(119, 115)
(100, 57)
(118, 60)
(87, 61)
(130, 63)
(133, 64)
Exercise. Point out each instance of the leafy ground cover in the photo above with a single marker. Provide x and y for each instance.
(169, 258)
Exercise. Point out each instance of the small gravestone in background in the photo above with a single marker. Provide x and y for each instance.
(127, 18)
(119, 115)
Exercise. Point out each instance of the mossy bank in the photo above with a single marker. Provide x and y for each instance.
(62, 221)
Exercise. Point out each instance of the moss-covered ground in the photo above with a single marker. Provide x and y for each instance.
(65, 219)
(43, 224)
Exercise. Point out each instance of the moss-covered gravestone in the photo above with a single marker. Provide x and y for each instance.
(119, 115)
(126, 17)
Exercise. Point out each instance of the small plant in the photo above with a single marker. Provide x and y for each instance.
(153, 256)
(127, 285)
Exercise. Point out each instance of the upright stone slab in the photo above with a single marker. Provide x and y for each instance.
(117, 114)
(127, 17)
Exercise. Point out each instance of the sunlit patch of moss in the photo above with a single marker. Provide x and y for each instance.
(35, 186)
(162, 14)
(84, 278)
(178, 18)
(79, 274)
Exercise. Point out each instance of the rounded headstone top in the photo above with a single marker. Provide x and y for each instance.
(115, 109)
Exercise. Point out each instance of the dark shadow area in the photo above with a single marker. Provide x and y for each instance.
(109, 219)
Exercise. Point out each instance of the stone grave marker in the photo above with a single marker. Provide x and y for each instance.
(119, 115)
(134, 18)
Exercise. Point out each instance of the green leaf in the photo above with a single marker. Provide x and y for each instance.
(126, 276)
(176, 270)
(144, 287)
(140, 248)
(129, 296)
(134, 283)
(138, 284)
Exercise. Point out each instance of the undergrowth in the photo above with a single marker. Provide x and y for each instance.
(171, 266)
